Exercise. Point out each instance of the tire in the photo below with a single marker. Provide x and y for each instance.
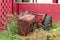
(47, 23)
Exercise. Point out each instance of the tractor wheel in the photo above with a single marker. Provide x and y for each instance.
(47, 23)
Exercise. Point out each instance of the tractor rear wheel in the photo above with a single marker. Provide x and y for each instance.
(47, 23)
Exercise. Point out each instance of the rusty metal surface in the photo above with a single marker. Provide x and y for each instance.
(24, 23)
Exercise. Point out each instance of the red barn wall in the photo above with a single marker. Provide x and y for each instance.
(51, 9)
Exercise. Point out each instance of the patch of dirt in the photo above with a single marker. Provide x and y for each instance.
(36, 35)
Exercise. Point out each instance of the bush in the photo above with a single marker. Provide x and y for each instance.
(11, 29)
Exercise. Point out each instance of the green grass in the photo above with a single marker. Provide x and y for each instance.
(6, 36)
(12, 34)
(56, 27)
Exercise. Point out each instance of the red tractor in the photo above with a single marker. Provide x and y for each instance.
(31, 20)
